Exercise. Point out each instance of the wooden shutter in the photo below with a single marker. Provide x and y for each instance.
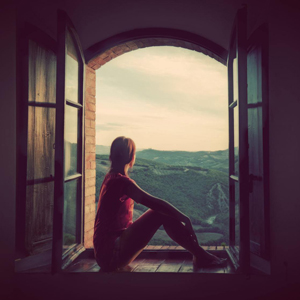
(36, 139)
(257, 66)
(238, 144)
(68, 205)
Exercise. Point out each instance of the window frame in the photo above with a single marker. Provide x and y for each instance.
(29, 32)
(260, 38)
(22, 164)
(240, 256)
(60, 259)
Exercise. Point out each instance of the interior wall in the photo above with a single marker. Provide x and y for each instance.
(8, 144)
(284, 95)
(42, 14)
(97, 20)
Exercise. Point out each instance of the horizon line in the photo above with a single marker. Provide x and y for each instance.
(141, 149)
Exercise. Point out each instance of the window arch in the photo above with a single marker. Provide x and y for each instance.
(103, 52)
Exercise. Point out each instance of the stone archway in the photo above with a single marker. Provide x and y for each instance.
(97, 56)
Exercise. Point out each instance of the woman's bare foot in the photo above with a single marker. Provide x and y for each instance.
(208, 260)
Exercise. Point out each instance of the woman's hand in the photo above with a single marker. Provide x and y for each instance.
(188, 225)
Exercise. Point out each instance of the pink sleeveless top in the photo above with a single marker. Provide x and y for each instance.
(114, 215)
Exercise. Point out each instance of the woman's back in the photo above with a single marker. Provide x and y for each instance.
(114, 214)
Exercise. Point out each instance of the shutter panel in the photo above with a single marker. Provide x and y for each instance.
(68, 205)
(258, 146)
(238, 145)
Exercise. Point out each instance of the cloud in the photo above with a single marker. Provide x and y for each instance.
(164, 95)
(109, 126)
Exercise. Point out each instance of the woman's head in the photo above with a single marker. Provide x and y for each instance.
(122, 153)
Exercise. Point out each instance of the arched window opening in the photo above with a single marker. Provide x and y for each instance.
(173, 103)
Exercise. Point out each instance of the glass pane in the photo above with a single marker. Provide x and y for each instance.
(254, 78)
(237, 216)
(71, 140)
(39, 217)
(70, 208)
(236, 118)
(235, 80)
(41, 74)
(41, 140)
(236, 139)
(72, 69)
(40, 188)
(256, 196)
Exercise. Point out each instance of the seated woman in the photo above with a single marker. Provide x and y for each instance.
(118, 240)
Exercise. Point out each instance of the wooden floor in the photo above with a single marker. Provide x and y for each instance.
(149, 265)
(166, 259)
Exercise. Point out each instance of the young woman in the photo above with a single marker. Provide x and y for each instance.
(118, 240)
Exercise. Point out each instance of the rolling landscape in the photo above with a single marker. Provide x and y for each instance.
(195, 182)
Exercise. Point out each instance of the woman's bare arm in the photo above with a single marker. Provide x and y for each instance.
(136, 193)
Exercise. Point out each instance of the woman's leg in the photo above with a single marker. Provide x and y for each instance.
(178, 233)
(136, 237)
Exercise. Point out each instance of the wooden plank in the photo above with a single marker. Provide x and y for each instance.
(150, 247)
(172, 247)
(165, 247)
(220, 270)
(187, 266)
(82, 265)
(179, 248)
(170, 265)
(157, 247)
(131, 266)
(148, 265)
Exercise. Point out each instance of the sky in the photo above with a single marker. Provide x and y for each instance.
(164, 98)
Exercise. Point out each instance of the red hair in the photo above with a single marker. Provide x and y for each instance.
(122, 151)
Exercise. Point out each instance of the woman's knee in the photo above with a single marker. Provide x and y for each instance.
(160, 219)
(151, 214)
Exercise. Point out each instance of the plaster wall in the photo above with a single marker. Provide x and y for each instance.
(8, 144)
(97, 20)
(284, 78)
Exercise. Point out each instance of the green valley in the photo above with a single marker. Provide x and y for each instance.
(201, 193)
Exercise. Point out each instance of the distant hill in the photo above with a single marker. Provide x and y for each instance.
(217, 160)
(200, 193)
(100, 149)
